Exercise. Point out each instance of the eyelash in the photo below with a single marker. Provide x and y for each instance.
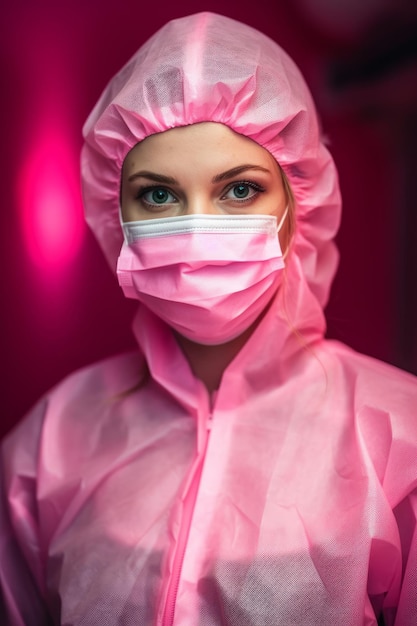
(255, 186)
(144, 190)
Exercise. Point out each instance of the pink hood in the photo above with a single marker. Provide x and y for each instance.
(178, 78)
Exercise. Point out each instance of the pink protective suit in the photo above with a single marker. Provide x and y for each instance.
(286, 499)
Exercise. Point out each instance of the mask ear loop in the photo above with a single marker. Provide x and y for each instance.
(281, 222)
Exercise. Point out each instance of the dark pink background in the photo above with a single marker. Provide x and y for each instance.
(68, 310)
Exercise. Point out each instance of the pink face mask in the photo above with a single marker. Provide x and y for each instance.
(208, 276)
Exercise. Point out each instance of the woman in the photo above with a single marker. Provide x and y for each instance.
(239, 469)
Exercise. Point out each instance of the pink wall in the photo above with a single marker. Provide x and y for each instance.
(61, 307)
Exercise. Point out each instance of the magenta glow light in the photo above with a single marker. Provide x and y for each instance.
(52, 217)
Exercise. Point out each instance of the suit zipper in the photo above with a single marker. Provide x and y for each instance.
(189, 500)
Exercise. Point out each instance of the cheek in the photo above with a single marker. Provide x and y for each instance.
(128, 206)
(126, 214)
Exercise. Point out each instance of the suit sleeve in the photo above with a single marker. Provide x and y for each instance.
(406, 514)
(22, 580)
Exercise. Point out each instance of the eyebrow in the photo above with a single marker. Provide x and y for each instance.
(169, 180)
(159, 178)
(235, 171)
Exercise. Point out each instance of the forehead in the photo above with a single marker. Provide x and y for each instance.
(211, 144)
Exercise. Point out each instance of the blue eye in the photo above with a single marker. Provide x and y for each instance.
(157, 196)
(242, 191)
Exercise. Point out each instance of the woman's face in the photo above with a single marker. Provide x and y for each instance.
(202, 169)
